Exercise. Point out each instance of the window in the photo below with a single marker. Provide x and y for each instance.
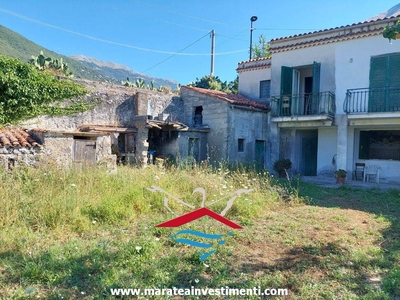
(265, 89)
(379, 144)
(240, 145)
(198, 116)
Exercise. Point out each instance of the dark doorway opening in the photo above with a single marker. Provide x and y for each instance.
(308, 95)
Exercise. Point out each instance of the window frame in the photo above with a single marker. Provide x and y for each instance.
(240, 145)
(267, 90)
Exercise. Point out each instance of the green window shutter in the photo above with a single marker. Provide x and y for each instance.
(378, 80)
(286, 80)
(363, 152)
(394, 70)
(316, 77)
(378, 72)
(393, 94)
(286, 91)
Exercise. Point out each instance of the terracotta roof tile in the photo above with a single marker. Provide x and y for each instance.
(335, 28)
(231, 98)
(18, 137)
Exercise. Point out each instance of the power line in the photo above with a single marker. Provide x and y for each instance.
(232, 37)
(175, 53)
(188, 16)
(284, 29)
(150, 17)
(212, 21)
(111, 42)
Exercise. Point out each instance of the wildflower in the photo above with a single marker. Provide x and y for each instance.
(73, 184)
(197, 280)
(138, 248)
(94, 222)
(157, 239)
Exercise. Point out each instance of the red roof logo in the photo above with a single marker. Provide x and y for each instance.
(197, 214)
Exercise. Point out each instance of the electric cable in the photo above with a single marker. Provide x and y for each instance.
(111, 42)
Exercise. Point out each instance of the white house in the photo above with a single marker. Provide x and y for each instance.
(335, 98)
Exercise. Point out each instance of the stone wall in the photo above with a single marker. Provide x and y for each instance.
(117, 106)
(215, 117)
(251, 126)
(59, 148)
(13, 157)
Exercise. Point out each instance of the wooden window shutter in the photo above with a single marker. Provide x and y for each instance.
(378, 76)
(286, 80)
(378, 81)
(316, 77)
(394, 70)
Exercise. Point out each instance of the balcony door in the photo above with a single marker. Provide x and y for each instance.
(299, 85)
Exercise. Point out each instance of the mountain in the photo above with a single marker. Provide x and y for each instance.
(121, 72)
(15, 45)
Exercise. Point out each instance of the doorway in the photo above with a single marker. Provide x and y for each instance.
(309, 152)
(308, 95)
(260, 154)
(85, 150)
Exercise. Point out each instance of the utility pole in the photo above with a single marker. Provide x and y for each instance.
(212, 51)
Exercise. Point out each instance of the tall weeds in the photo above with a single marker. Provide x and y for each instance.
(49, 198)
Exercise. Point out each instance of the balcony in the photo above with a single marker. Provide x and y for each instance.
(372, 100)
(306, 105)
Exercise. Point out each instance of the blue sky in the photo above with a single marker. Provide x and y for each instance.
(145, 34)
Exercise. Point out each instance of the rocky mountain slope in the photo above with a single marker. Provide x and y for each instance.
(15, 45)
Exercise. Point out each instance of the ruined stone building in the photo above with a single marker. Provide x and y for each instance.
(140, 126)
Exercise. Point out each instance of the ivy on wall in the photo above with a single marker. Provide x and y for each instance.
(26, 93)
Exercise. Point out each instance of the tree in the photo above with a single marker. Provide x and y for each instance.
(208, 82)
(392, 32)
(261, 49)
(214, 83)
(233, 86)
(26, 92)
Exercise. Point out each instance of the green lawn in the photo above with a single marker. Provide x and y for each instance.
(76, 234)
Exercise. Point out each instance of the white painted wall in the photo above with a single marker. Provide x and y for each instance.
(352, 63)
(327, 142)
(324, 54)
(249, 82)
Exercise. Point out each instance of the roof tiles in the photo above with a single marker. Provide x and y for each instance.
(231, 98)
(18, 137)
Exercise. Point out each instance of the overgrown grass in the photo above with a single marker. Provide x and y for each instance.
(68, 234)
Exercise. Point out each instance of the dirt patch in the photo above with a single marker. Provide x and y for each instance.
(308, 241)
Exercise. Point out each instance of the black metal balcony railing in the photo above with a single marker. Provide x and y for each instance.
(303, 104)
(364, 100)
